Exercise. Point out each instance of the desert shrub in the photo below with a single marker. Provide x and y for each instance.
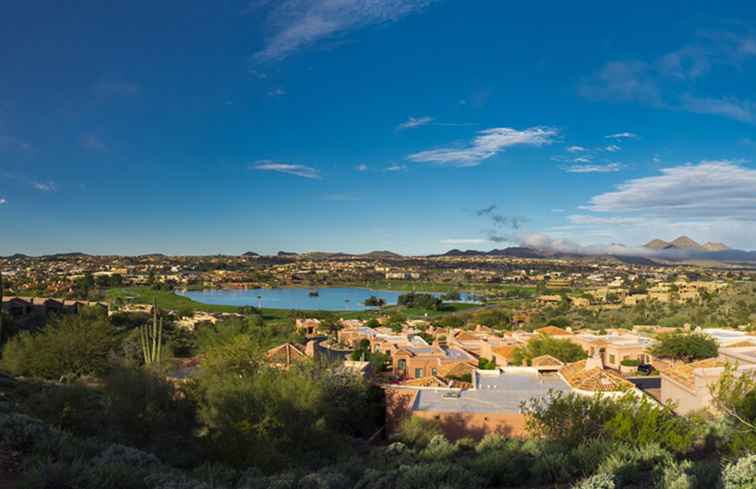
(325, 479)
(564, 350)
(21, 433)
(73, 407)
(72, 345)
(437, 474)
(115, 476)
(143, 409)
(677, 476)
(48, 475)
(570, 418)
(439, 448)
(636, 467)
(589, 455)
(502, 464)
(172, 480)
(418, 432)
(215, 475)
(740, 474)
(492, 441)
(120, 454)
(598, 481)
(551, 467)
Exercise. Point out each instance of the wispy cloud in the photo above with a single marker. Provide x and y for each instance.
(277, 92)
(608, 168)
(622, 135)
(3, 201)
(487, 144)
(413, 122)
(740, 110)
(296, 24)
(576, 149)
(666, 81)
(604, 221)
(361, 167)
(48, 186)
(395, 168)
(612, 148)
(298, 170)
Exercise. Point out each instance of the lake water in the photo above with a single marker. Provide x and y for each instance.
(329, 299)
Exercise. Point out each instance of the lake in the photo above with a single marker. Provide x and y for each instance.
(329, 298)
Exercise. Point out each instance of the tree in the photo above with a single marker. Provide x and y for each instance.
(564, 350)
(687, 347)
(73, 345)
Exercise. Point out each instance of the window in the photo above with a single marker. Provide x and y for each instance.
(611, 359)
(434, 371)
(402, 365)
(418, 373)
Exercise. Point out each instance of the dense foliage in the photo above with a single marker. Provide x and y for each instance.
(72, 345)
(420, 301)
(684, 346)
(564, 350)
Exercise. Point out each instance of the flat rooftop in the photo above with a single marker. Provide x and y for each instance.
(495, 393)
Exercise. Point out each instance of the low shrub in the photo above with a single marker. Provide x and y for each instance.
(740, 474)
(418, 432)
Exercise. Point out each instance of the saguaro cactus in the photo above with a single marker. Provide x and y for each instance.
(151, 338)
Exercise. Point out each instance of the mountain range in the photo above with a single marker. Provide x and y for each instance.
(686, 244)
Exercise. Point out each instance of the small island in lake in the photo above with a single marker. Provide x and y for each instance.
(374, 301)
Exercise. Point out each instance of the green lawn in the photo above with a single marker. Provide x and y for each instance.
(165, 299)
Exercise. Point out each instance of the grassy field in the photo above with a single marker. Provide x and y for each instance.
(165, 299)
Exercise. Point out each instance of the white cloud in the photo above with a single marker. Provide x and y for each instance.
(600, 220)
(608, 168)
(576, 149)
(413, 122)
(462, 241)
(3, 201)
(582, 159)
(277, 92)
(396, 168)
(487, 144)
(361, 167)
(45, 186)
(623, 135)
(612, 148)
(740, 110)
(624, 81)
(296, 24)
(709, 190)
(298, 170)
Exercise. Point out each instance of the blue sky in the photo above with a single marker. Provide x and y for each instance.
(354, 125)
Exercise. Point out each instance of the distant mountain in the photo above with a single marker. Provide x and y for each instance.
(250, 254)
(286, 253)
(514, 252)
(381, 254)
(715, 246)
(657, 244)
(685, 243)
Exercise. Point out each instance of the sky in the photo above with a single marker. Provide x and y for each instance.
(415, 126)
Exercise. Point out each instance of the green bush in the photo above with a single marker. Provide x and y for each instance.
(740, 474)
(598, 481)
(71, 346)
(630, 362)
(687, 347)
(439, 448)
(418, 432)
